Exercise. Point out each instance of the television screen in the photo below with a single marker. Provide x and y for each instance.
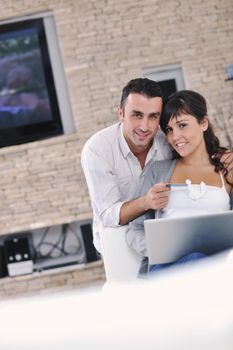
(29, 108)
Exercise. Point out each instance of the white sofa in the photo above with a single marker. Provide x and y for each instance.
(120, 261)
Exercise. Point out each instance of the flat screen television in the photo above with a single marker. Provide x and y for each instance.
(29, 108)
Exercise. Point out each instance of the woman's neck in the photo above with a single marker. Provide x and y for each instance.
(196, 160)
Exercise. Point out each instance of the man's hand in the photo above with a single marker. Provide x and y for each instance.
(157, 196)
(227, 160)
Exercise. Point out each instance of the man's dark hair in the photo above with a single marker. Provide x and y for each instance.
(143, 86)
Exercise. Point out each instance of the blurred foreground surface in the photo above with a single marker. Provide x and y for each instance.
(187, 308)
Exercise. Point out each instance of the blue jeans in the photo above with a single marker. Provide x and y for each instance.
(183, 260)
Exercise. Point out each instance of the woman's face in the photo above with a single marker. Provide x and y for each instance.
(185, 134)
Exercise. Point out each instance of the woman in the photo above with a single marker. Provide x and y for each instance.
(204, 185)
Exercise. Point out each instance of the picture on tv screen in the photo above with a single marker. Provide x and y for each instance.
(28, 103)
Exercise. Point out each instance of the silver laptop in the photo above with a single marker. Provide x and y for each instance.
(169, 239)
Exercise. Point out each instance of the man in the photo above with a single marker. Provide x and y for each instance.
(115, 160)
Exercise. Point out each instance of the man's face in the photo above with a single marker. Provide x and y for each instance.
(140, 117)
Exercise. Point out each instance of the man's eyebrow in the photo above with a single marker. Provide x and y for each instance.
(140, 112)
(155, 113)
(137, 111)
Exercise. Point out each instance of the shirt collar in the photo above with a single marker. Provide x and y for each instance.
(123, 144)
(152, 150)
(126, 150)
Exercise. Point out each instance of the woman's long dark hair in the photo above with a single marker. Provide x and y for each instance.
(190, 102)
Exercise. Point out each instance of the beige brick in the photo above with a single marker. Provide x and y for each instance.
(102, 48)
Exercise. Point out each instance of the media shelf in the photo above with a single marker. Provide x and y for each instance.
(47, 248)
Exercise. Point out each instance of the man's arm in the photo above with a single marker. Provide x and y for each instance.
(227, 159)
(105, 194)
(102, 184)
(230, 177)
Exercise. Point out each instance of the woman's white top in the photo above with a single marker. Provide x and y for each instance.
(191, 199)
(186, 200)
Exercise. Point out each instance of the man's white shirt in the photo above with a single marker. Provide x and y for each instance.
(114, 175)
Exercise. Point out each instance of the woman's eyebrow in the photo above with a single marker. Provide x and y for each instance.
(181, 120)
(178, 122)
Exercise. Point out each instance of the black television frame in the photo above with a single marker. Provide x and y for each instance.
(40, 130)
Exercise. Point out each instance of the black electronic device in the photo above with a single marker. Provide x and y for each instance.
(29, 108)
(19, 254)
(3, 267)
(91, 253)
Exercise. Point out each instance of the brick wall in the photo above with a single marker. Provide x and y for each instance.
(57, 280)
(105, 43)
